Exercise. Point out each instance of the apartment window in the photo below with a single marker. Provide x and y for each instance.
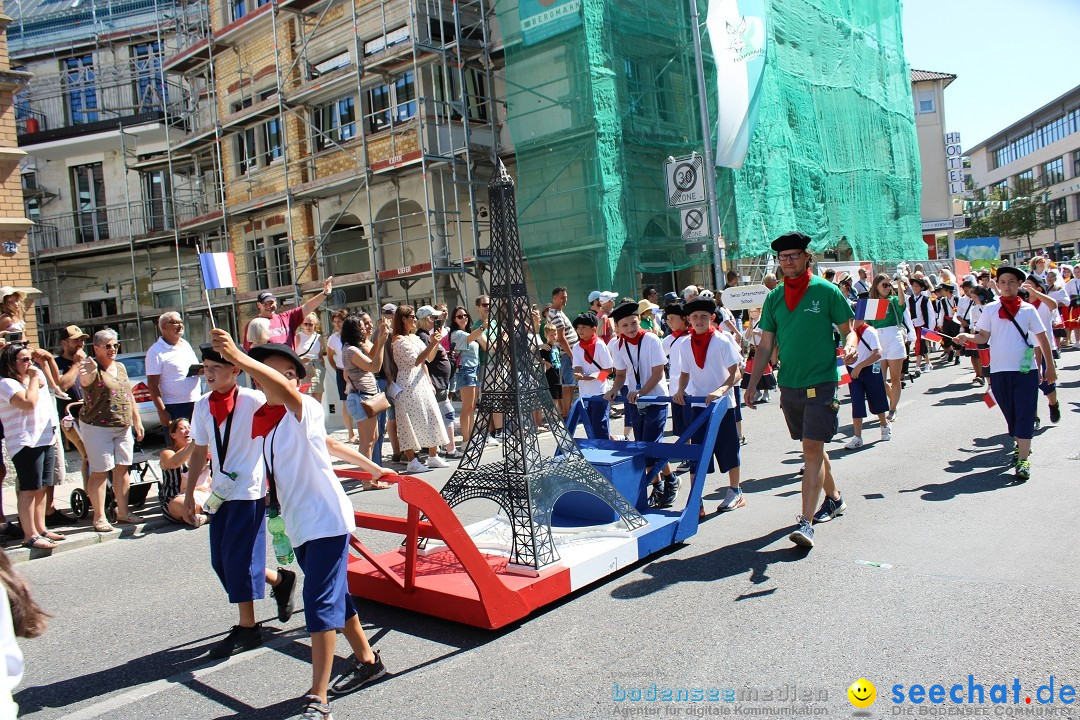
(1053, 172)
(247, 152)
(82, 97)
(394, 37)
(636, 87)
(475, 94)
(1025, 181)
(240, 8)
(155, 196)
(1076, 163)
(150, 91)
(999, 189)
(926, 101)
(167, 299)
(335, 122)
(271, 134)
(270, 261)
(392, 103)
(88, 196)
(105, 307)
(1055, 213)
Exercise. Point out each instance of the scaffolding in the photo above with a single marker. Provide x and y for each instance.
(343, 137)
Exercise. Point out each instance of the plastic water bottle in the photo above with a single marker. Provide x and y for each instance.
(222, 488)
(282, 546)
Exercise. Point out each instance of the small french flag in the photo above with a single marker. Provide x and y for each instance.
(843, 377)
(218, 270)
(988, 398)
(932, 335)
(872, 309)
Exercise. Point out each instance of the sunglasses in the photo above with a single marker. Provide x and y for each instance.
(112, 346)
(460, 317)
(308, 324)
(410, 315)
(485, 304)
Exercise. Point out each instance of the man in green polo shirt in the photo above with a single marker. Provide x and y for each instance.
(799, 316)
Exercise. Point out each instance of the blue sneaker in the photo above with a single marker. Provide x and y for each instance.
(830, 509)
(804, 534)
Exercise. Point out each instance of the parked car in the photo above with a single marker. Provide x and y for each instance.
(135, 364)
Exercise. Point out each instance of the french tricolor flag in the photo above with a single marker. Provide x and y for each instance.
(932, 336)
(218, 270)
(843, 377)
(871, 309)
(988, 398)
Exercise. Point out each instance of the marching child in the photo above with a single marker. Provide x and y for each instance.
(290, 430)
(221, 424)
(638, 359)
(592, 365)
(867, 385)
(678, 333)
(709, 364)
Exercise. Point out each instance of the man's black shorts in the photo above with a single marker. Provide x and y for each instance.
(810, 418)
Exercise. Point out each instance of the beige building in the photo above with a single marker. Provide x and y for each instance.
(1043, 146)
(14, 258)
(942, 165)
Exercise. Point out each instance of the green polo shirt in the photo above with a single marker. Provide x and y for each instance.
(805, 336)
(895, 318)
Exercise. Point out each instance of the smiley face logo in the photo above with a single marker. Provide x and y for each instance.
(862, 693)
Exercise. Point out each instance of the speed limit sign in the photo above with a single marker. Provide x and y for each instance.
(685, 180)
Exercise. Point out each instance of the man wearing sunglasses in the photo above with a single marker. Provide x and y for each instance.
(283, 326)
(799, 316)
(167, 363)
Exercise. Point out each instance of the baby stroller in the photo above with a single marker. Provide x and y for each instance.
(138, 488)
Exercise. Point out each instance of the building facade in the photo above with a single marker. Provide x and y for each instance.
(1041, 151)
(941, 161)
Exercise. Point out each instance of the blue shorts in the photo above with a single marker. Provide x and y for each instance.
(327, 603)
(738, 406)
(598, 412)
(352, 404)
(1044, 386)
(869, 387)
(566, 371)
(238, 549)
(467, 377)
(1017, 394)
(647, 422)
(726, 449)
(680, 419)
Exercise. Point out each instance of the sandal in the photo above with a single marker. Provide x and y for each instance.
(376, 485)
(53, 536)
(130, 519)
(38, 542)
(103, 526)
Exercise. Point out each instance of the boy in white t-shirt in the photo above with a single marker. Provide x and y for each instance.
(592, 365)
(678, 333)
(867, 385)
(220, 426)
(709, 367)
(1045, 306)
(290, 430)
(638, 359)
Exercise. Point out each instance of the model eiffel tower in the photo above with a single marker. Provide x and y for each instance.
(525, 483)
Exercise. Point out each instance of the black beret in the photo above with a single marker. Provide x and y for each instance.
(261, 352)
(675, 309)
(791, 241)
(624, 311)
(1019, 274)
(1038, 281)
(585, 319)
(700, 305)
(209, 353)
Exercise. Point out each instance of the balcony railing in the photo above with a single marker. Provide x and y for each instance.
(115, 223)
(95, 97)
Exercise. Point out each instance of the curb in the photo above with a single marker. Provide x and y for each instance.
(18, 554)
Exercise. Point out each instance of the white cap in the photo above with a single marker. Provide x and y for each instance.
(389, 307)
(427, 311)
(602, 295)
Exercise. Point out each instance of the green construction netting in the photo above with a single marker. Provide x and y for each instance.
(601, 92)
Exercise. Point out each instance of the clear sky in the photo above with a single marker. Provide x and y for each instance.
(1010, 57)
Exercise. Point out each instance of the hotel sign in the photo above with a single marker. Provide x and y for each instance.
(954, 163)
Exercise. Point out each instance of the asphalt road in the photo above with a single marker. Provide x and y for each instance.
(942, 568)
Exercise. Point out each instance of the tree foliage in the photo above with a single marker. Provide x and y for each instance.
(1020, 213)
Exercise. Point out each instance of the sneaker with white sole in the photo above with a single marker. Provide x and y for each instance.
(854, 443)
(830, 509)
(493, 441)
(886, 433)
(733, 500)
(434, 461)
(415, 466)
(804, 534)
(358, 676)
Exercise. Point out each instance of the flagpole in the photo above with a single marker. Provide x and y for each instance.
(206, 293)
(710, 167)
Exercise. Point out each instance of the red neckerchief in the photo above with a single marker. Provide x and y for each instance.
(860, 330)
(632, 340)
(678, 333)
(794, 289)
(699, 343)
(1010, 304)
(1035, 301)
(265, 419)
(588, 346)
(221, 404)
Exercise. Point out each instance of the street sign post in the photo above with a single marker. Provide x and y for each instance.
(685, 180)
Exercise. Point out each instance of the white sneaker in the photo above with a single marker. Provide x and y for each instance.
(886, 433)
(493, 441)
(415, 467)
(854, 443)
(434, 461)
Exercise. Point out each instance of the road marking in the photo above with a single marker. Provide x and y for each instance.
(182, 678)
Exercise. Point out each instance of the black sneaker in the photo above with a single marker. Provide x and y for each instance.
(315, 709)
(1055, 417)
(670, 494)
(655, 495)
(240, 639)
(283, 594)
(57, 519)
(830, 509)
(358, 676)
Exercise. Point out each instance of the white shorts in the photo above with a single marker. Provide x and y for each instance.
(107, 447)
(892, 343)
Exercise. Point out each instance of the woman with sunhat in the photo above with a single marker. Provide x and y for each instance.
(1013, 329)
(893, 330)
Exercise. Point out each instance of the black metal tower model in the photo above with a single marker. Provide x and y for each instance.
(524, 483)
